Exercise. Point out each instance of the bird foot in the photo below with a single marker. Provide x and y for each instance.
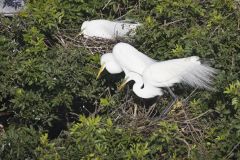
(168, 108)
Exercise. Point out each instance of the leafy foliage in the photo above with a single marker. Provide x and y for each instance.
(94, 138)
(19, 143)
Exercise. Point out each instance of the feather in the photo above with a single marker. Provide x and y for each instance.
(107, 29)
(185, 70)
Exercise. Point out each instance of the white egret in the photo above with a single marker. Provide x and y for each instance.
(165, 73)
(184, 70)
(107, 29)
(108, 61)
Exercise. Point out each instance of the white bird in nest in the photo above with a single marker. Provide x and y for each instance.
(106, 29)
(150, 75)
(165, 74)
(109, 63)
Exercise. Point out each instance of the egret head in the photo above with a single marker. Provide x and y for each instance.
(108, 61)
(84, 26)
(139, 88)
(131, 76)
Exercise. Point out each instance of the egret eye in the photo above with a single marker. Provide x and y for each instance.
(142, 86)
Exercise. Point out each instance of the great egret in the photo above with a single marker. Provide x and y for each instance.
(167, 73)
(108, 61)
(115, 63)
(107, 29)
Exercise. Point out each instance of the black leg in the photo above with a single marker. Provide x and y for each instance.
(169, 107)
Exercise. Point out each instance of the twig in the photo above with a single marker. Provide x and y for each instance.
(188, 120)
(169, 23)
(238, 25)
(189, 148)
(230, 153)
(106, 4)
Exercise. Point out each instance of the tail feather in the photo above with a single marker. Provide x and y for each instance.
(200, 75)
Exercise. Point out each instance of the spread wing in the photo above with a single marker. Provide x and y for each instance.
(186, 70)
(130, 58)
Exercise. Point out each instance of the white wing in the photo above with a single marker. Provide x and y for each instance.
(130, 58)
(187, 70)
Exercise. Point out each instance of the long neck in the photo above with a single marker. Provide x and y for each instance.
(146, 91)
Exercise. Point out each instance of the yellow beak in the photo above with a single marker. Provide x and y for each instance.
(79, 34)
(123, 84)
(101, 70)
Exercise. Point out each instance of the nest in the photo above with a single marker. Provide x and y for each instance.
(146, 119)
(93, 44)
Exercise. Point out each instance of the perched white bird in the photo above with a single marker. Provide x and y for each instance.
(145, 91)
(115, 63)
(108, 61)
(150, 76)
(107, 29)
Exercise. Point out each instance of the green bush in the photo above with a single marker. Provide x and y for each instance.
(19, 143)
(94, 138)
(39, 85)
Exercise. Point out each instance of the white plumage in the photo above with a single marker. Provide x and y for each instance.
(107, 29)
(141, 89)
(184, 70)
(130, 59)
(110, 63)
(150, 75)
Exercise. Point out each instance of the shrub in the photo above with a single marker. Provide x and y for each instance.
(19, 143)
(95, 138)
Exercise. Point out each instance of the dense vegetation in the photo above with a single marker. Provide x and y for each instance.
(52, 106)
